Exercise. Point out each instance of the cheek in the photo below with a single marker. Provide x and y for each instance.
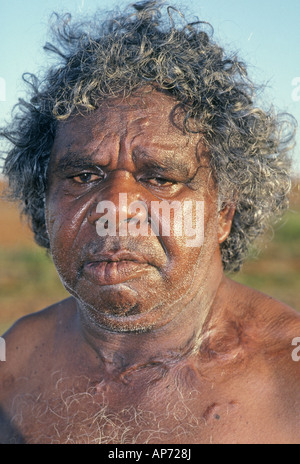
(64, 222)
(194, 233)
(191, 255)
(63, 227)
(201, 226)
(208, 251)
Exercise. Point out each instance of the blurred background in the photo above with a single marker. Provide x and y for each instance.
(266, 36)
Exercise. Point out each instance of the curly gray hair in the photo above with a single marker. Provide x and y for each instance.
(249, 147)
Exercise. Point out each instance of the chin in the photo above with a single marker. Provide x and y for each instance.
(119, 322)
(117, 309)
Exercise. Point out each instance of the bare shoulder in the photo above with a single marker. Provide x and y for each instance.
(34, 327)
(272, 331)
(30, 337)
(268, 329)
(272, 320)
(30, 345)
(268, 347)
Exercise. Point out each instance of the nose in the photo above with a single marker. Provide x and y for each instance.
(120, 203)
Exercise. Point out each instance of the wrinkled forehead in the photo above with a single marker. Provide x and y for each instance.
(147, 117)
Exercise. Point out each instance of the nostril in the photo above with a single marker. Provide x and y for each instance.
(120, 216)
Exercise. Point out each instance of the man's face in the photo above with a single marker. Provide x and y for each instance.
(130, 147)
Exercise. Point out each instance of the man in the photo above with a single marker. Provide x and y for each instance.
(155, 344)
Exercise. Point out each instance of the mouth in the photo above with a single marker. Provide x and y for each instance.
(115, 268)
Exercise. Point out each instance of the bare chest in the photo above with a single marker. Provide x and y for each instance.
(158, 416)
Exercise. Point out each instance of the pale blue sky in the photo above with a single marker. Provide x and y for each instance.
(266, 34)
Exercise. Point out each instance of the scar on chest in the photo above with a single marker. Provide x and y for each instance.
(215, 411)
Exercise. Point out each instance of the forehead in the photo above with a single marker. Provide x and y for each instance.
(148, 118)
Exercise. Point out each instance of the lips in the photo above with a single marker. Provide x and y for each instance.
(115, 268)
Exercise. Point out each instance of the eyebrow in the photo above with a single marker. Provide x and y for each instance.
(76, 160)
(168, 163)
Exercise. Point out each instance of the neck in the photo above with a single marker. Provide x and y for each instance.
(174, 342)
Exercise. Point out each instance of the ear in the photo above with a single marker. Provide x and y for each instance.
(225, 221)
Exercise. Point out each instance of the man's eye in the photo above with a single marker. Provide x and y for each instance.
(160, 181)
(86, 178)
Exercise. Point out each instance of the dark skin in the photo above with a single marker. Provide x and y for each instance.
(155, 344)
